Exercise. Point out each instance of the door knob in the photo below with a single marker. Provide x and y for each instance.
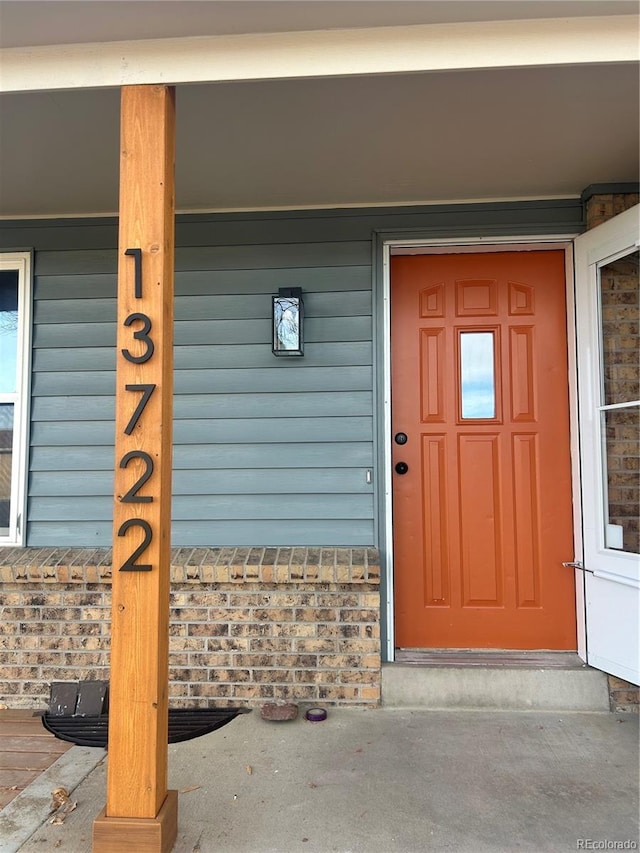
(401, 467)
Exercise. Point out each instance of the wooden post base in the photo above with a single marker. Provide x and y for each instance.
(144, 835)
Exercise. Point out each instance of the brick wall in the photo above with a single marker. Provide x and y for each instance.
(624, 698)
(601, 207)
(247, 625)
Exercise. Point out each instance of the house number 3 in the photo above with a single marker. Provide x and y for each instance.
(141, 324)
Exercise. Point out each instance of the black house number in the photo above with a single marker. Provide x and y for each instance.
(141, 324)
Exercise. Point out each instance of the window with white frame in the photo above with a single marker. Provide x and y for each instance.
(15, 345)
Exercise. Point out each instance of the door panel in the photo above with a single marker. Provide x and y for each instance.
(608, 338)
(482, 516)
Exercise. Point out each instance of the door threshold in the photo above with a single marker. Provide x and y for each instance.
(519, 658)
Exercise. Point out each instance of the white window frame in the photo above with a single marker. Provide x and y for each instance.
(21, 262)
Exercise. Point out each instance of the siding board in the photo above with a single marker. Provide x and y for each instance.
(212, 456)
(74, 335)
(288, 507)
(205, 282)
(334, 354)
(261, 381)
(281, 408)
(202, 332)
(200, 534)
(61, 234)
(272, 256)
(313, 280)
(218, 307)
(245, 257)
(279, 481)
(86, 286)
(206, 431)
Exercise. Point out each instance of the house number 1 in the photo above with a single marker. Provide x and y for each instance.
(142, 334)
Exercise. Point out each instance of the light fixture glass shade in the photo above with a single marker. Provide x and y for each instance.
(288, 320)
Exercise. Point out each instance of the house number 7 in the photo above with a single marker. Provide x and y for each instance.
(141, 334)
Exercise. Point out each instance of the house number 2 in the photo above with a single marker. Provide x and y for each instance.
(141, 331)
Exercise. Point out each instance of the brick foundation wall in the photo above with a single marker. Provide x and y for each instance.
(247, 625)
(624, 698)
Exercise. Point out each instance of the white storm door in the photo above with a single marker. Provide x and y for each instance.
(607, 315)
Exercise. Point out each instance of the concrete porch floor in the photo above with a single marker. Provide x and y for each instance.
(383, 781)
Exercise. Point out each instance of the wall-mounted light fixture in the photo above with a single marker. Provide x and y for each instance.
(288, 322)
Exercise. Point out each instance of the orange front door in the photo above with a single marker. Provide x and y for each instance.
(482, 514)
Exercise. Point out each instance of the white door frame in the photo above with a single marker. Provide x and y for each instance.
(477, 245)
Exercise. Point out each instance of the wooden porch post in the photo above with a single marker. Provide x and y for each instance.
(140, 813)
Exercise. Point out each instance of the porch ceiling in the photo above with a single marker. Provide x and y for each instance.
(46, 22)
(373, 139)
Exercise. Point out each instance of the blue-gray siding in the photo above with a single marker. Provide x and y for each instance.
(266, 451)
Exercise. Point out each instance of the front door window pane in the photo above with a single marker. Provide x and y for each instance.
(620, 409)
(477, 375)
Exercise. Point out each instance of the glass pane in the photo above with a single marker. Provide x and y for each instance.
(621, 458)
(477, 374)
(8, 330)
(6, 441)
(620, 341)
(619, 301)
(286, 324)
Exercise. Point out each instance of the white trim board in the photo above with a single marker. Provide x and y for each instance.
(323, 53)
